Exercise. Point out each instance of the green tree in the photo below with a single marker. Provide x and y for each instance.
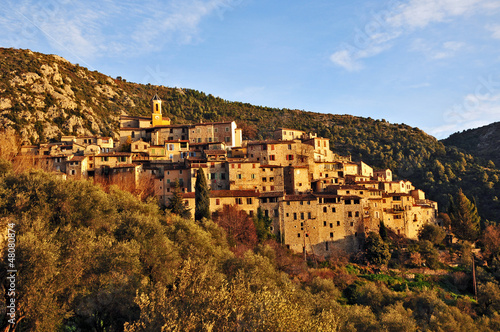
(432, 233)
(201, 198)
(176, 204)
(262, 224)
(376, 250)
(464, 217)
(383, 231)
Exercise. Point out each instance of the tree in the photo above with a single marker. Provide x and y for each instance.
(383, 231)
(201, 197)
(239, 227)
(464, 217)
(262, 224)
(176, 204)
(432, 233)
(376, 250)
(491, 241)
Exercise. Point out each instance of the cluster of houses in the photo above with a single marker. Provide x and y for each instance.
(316, 199)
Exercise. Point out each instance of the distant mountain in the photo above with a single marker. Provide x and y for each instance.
(44, 96)
(483, 142)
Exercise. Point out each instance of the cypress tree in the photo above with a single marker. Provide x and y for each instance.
(464, 217)
(201, 198)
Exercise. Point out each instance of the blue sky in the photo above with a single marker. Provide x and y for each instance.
(432, 64)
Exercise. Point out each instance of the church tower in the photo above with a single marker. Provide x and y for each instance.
(156, 110)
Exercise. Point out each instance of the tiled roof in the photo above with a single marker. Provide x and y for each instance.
(226, 193)
(115, 154)
(300, 197)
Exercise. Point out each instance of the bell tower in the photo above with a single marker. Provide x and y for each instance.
(156, 117)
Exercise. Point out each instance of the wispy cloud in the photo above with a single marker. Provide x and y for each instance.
(437, 51)
(95, 28)
(420, 13)
(402, 18)
(476, 109)
(495, 29)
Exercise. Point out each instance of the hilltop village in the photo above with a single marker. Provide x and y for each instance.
(317, 200)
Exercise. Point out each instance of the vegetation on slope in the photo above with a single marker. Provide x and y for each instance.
(483, 142)
(90, 260)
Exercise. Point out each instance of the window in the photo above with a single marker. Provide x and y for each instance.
(253, 176)
(264, 179)
(298, 234)
(338, 223)
(302, 215)
(333, 210)
(272, 157)
(352, 224)
(331, 235)
(308, 215)
(276, 213)
(238, 201)
(249, 200)
(227, 128)
(324, 209)
(331, 225)
(349, 214)
(356, 214)
(289, 146)
(271, 179)
(294, 216)
(238, 176)
(217, 201)
(324, 223)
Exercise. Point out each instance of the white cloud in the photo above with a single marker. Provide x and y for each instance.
(94, 28)
(474, 111)
(420, 13)
(389, 24)
(346, 60)
(437, 52)
(495, 29)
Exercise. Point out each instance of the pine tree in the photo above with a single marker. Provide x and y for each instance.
(176, 204)
(201, 198)
(464, 217)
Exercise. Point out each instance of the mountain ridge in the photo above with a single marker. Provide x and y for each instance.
(482, 142)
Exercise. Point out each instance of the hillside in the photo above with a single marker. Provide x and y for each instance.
(45, 96)
(91, 260)
(483, 142)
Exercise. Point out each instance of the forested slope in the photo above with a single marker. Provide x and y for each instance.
(90, 260)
